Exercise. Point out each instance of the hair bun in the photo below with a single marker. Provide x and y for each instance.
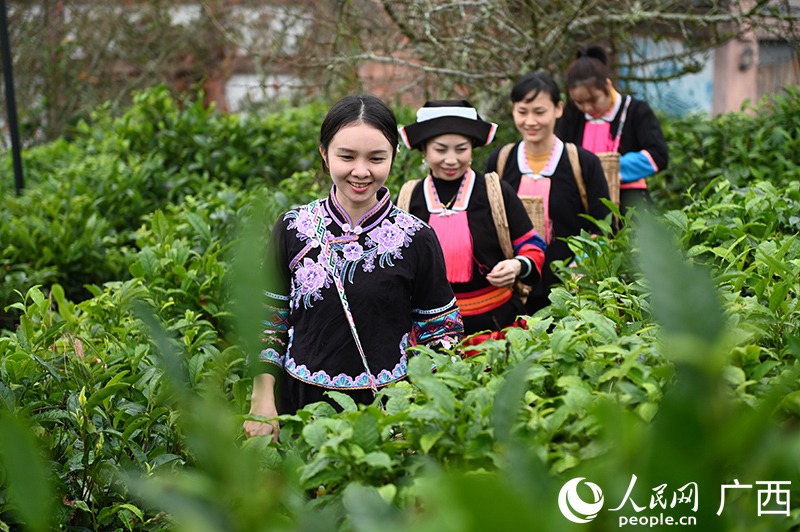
(593, 52)
(598, 53)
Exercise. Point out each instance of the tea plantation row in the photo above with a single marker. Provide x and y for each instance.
(672, 357)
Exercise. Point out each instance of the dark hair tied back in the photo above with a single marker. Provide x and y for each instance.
(589, 68)
(594, 52)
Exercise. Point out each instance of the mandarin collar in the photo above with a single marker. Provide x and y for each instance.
(465, 183)
(611, 113)
(370, 219)
(552, 161)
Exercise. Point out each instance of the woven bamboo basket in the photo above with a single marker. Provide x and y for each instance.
(534, 205)
(610, 162)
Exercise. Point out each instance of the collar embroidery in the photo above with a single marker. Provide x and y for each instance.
(370, 219)
(384, 232)
(435, 205)
(549, 168)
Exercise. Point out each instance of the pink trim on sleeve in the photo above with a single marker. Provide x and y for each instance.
(652, 161)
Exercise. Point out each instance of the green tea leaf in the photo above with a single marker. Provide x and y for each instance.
(684, 299)
(25, 474)
(343, 400)
(316, 433)
(377, 459)
(508, 401)
(428, 440)
(103, 393)
(365, 432)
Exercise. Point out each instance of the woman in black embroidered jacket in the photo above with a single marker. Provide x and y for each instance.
(387, 263)
(539, 165)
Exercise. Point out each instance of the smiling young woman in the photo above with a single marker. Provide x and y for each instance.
(348, 263)
(359, 159)
(539, 166)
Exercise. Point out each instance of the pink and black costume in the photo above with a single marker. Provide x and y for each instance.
(562, 201)
(483, 306)
(459, 212)
(641, 144)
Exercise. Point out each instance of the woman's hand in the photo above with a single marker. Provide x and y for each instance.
(504, 273)
(262, 403)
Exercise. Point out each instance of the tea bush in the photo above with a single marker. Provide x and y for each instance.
(761, 142)
(670, 352)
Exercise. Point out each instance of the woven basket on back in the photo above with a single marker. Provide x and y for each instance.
(610, 162)
(534, 205)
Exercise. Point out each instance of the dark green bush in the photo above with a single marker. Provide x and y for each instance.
(674, 366)
(761, 142)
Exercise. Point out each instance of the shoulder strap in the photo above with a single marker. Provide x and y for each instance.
(329, 262)
(495, 193)
(618, 136)
(502, 158)
(404, 197)
(577, 172)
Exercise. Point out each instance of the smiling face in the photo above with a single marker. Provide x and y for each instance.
(359, 158)
(449, 156)
(590, 99)
(535, 118)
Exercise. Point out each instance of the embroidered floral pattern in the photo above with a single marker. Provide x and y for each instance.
(378, 246)
(305, 224)
(309, 279)
(389, 237)
(303, 221)
(343, 381)
(407, 221)
(386, 231)
(352, 251)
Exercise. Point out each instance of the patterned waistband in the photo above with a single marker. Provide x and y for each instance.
(478, 302)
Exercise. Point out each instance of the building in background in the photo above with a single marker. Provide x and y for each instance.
(72, 56)
(745, 69)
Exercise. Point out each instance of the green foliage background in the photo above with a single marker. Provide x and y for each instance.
(672, 355)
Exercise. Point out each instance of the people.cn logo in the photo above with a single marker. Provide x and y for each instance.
(576, 509)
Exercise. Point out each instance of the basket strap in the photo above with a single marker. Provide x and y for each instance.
(404, 197)
(502, 158)
(495, 193)
(577, 172)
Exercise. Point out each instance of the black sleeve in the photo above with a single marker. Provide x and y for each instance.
(273, 295)
(435, 315)
(491, 162)
(569, 127)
